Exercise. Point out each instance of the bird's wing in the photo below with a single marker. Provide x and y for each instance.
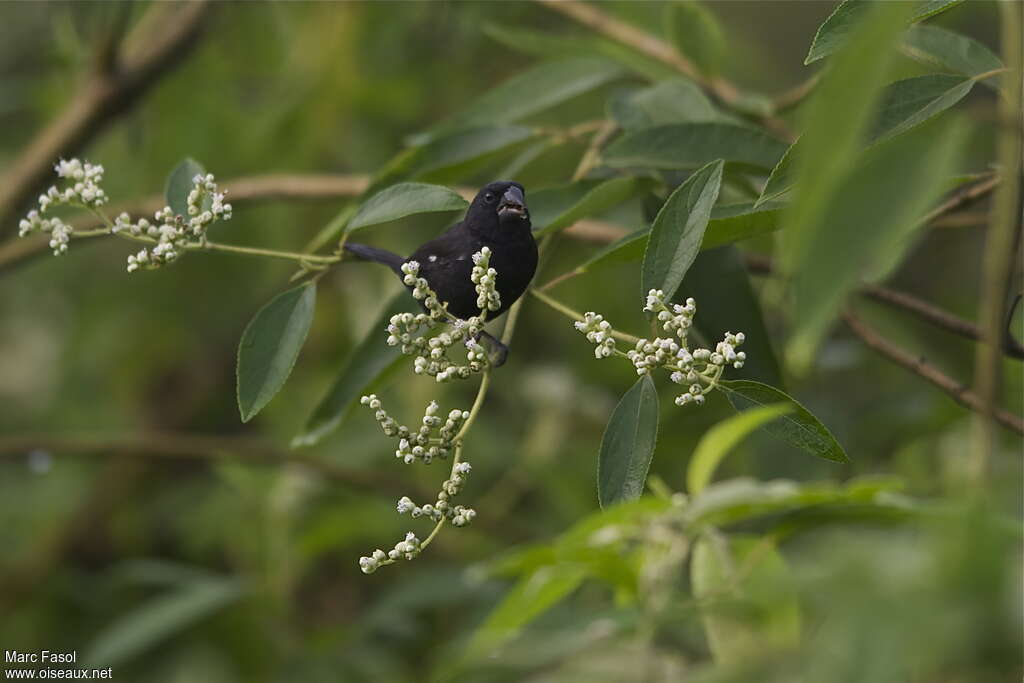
(449, 251)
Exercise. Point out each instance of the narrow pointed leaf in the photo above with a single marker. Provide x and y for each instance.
(675, 100)
(730, 223)
(696, 33)
(936, 46)
(862, 230)
(835, 31)
(552, 209)
(179, 185)
(678, 230)
(541, 87)
(838, 117)
(405, 199)
(270, 345)
(533, 595)
(903, 105)
(722, 438)
(628, 445)
(913, 101)
(370, 361)
(799, 427)
(689, 145)
(459, 150)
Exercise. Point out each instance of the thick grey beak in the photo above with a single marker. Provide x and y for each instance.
(512, 203)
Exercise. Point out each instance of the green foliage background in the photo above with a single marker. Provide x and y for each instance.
(221, 569)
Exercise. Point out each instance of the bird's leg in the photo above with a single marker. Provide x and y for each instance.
(499, 351)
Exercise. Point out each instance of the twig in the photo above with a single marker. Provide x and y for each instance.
(253, 189)
(116, 85)
(175, 445)
(962, 196)
(657, 49)
(1000, 244)
(796, 94)
(920, 367)
(757, 263)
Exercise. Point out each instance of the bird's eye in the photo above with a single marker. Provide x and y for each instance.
(489, 197)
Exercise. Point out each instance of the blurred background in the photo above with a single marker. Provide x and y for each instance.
(206, 555)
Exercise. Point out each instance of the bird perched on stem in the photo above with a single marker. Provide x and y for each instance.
(497, 218)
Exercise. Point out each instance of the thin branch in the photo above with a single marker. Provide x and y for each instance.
(1001, 244)
(796, 94)
(920, 367)
(962, 196)
(657, 49)
(113, 87)
(930, 313)
(175, 445)
(263, 188)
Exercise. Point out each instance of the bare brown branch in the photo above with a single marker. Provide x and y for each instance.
(120, 78)
(252, 189)
(174, 445)
(920, 367)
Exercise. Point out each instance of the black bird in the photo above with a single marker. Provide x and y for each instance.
(498, 218)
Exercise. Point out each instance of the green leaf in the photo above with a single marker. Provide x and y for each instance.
(457, 151)
(628, 445)
(179, 185)
(835, 32)
(936, 46)
(158, 619)
(732, 308)
(799, 427)
(733, 223)
(741, 500)
(837, 119)
(781, 178)
(529, 598)
(688, 145)
(679, 229)
(554, 208)
(730, 223)
(541, 87)
(695, 32)
(368, 363)
(270, 345)
(405, 199)
(860, 231)
(904, 105)
(913, 101)
(718, 441)
(749, 600)
(551, 45)
(676, 100)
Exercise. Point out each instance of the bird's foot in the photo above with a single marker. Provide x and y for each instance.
(498, 352)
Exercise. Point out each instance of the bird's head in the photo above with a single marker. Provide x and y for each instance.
(498, 207)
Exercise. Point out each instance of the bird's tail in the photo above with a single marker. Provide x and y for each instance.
(367, 253)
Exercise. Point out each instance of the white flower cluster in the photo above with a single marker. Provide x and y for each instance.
(458, 515)
(60, 232)
(414, 331)
(422, 444)
(173, 232)
(82, 189)
(599, 333)
(700, 368)
(407, 549)
(485, 279)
